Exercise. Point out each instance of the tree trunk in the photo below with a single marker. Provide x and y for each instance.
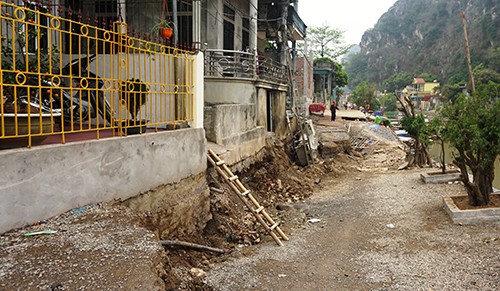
(422, 157)
(479, 190)
(442, 160)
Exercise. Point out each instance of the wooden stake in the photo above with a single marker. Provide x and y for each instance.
(467, 51)
(185, 244)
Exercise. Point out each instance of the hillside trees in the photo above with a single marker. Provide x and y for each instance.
(409, 38)
(397, 81)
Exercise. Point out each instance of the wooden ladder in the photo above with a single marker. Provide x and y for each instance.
(247, 198)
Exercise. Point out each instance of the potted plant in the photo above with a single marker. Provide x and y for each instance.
(134, 94)
(164, 28)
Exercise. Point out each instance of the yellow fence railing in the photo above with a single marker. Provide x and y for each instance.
(60, 77)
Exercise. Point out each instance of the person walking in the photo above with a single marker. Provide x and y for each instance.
(333, 109)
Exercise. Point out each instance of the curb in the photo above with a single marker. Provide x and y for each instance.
(470, 216)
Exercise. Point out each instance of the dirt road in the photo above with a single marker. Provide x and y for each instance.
(378, 231)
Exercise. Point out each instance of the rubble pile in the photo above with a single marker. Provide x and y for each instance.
(381, 149)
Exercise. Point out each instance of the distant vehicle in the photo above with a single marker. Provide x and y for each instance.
(317, 108)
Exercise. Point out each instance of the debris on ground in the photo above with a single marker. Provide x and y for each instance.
(94, 240)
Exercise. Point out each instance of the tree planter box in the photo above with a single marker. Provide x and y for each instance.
(37, 128)
(439, 177)
(470, 216)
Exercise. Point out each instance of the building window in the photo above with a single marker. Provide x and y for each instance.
(245, 34)
(185, 22)
(229, 13)
(229, 16)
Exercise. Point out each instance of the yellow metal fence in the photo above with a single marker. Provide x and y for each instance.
(61, 77)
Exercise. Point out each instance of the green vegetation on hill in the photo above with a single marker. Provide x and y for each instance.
(426, 36)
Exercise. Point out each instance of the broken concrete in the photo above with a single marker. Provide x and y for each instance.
(333, 141)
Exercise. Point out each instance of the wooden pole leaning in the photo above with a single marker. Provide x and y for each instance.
(247, 198)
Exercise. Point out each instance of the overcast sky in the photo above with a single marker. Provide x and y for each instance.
(352, 16)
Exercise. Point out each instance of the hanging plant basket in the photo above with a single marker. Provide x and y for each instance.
(166, 32)
(164, 29)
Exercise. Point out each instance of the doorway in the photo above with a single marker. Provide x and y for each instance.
(269, 111)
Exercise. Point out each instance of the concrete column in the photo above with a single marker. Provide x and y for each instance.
(253, 24)
(283, 38)
(199, 100)
(196, 24)
(176, 22)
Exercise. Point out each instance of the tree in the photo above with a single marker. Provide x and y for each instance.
(416, 127)
(451, 91)
(473, 128)
(390, 102)
(341, 78)
(435, 130)
(483, 75)
(325, 41)
(397, 81)
(364, 94)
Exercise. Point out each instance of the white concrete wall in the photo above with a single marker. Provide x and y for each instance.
(45, 181)
(220, 90)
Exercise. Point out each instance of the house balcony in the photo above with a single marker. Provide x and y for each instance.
(296, 24)
(229, 64)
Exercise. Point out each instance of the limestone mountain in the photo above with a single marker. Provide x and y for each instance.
(426, 36)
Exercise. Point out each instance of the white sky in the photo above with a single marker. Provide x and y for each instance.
(352, 16)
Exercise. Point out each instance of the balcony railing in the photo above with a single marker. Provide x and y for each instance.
(236, 64)
(226, 63)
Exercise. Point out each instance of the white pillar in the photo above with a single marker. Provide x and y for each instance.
(198, 90)
(253, 24)
(197, 24)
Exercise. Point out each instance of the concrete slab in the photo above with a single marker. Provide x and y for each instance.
(351, 115)
(470, 216)
(438, 177)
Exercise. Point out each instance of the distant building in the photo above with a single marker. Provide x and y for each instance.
(423, 94)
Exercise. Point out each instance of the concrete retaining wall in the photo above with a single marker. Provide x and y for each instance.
(45, 181)
(230, 124)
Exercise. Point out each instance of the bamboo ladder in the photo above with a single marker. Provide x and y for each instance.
(247, 198)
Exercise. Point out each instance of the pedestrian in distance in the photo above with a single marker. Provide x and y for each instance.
(333, 109)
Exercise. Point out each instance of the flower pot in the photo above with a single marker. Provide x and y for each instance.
(38, 128)
(166, 32)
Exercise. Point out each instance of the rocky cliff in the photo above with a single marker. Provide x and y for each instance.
(426, 36)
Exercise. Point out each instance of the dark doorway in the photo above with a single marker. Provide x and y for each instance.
(269, 111)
